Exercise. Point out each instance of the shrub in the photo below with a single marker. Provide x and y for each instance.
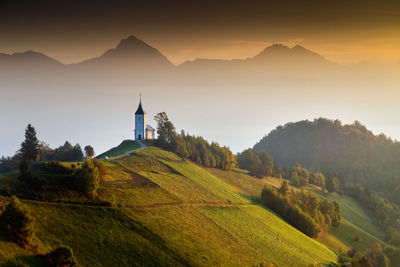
(18, 221)
(87, 178)
(61, 256)
(55, 167)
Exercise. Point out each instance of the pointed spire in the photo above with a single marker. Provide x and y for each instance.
(140, 108)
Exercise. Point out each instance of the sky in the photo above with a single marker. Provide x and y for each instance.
(234, 113)
(71, 31)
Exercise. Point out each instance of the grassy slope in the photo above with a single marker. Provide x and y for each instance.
(356, 220)
(172, 211)
(125, 146)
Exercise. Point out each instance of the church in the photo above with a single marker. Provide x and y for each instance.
(143, 131)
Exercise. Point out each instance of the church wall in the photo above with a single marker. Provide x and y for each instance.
(140, 126)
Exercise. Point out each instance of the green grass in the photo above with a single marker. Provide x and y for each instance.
(233, 236)
(355, 219)
(125, 146)
(171, 212)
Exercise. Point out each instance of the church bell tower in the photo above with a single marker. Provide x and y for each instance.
(140, 122)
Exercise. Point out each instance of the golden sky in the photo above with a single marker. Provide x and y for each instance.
(71, 31)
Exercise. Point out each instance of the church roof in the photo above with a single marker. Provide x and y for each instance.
(148, 127)
(140, 109)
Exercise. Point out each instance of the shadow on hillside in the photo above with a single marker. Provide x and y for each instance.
(25, 260)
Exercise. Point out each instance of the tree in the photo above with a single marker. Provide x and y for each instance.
(331, 184)
(284, 189)
(165, 131)
(88, 178)
(294, 178)
(61, 256)
(45, 151)
(18, 221)
(267, 163)
(89, 151)
(30, 147)
(249, 160)
(30, 152)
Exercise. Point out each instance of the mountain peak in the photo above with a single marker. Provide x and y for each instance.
(130, 52)
(281, 52)
(130, 43)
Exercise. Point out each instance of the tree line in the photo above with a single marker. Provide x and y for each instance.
(65, 152)
(261, 164)
(82, 177)
(302, 209)
(195, 148)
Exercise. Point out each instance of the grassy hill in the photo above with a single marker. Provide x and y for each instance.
(125, 146)
(170, 211)
(355, 219)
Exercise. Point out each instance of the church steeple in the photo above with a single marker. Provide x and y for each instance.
(140, 108)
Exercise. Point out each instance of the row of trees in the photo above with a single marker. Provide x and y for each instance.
(302, 209)
(194, 148)
(84, 179)
(386, 212)
(376, 256)
(258, 164)
(33, 150)
(262, 164)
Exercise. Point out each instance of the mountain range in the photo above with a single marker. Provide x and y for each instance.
(135, 53)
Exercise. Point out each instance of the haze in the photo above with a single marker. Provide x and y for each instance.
(234, 106)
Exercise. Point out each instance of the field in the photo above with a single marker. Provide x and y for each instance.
(355, 219)
(169, 210)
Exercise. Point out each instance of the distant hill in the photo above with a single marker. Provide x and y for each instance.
(169, 211)
(353, 152)
(20, 62)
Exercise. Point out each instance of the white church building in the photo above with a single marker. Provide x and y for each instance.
(143, 131)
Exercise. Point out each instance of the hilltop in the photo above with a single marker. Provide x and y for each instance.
(165, 209)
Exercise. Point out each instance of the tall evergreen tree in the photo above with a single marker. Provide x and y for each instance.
(30, 152)
(30, 147)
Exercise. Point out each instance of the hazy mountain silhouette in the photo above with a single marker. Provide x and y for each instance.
(283, 54)
(271, 56)
(135, 53)
(130, 54)
(28, 59)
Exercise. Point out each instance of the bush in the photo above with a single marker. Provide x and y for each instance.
(87, 178)
(62, 256)
(18, 221)
(55, 167)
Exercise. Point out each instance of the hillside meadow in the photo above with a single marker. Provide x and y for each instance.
(167, 210)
